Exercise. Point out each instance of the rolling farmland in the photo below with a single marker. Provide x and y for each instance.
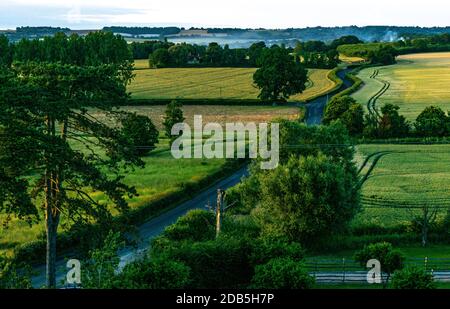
(417, 81)
(408, 175)
(212, 83)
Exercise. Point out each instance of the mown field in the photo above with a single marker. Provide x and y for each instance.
(162, 174)
(417, 81)
(408, 174)
(211, 83)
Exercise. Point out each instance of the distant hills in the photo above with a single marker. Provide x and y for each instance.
(239, 36)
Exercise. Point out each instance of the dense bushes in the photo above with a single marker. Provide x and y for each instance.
(390, 259)
(348, 111)
(282, 273)
(412, 278)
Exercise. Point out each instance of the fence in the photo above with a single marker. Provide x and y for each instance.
(343, 271)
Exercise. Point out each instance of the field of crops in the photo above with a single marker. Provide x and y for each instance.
(417, 81)
(406, 176)
(211, 83)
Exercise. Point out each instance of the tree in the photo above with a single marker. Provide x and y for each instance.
(100, 269)
(307, 199)
(412, 278)
(6, 53)
(426, 220)
(174, 115)
(282, 273)
(141, 132)
(279, 76)
(389, 258)
(345, 40)
(432, 122)
(213, 55)
(392, 124)
(346, 109)
(160, 58)
(48, 130)
(254, 53)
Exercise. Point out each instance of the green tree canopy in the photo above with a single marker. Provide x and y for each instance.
(141, 132)
(307, 199)
(432, 122)
(279, 76)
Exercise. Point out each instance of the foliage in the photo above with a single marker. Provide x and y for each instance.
(160, 58)
(96, 48)
(6, 52)
(14, 275)
(196, 225)
(279, 76)
(345, 109)
(412, 278)
(46, 116)
(389, 258)
(174, 115)
(153, 274)
(307, 199)
(99, 271)
(432, 122)
(220, 263)
(282, 273)
(141, 132)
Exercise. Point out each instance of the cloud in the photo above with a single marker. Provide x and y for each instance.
(231, 13)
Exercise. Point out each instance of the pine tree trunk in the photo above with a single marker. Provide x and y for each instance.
(52, 229)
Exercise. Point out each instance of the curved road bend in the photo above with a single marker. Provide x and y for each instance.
(152, 228)
(315, 108)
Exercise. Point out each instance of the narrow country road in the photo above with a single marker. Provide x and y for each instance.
(316, 108)
(152, 228)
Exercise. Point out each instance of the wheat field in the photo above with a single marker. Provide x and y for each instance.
(212, 83)
(415, 82)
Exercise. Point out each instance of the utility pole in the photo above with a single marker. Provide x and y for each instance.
(220, 196)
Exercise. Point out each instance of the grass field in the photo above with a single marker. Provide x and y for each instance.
(413, 174)
(212, 83)
(417, 81)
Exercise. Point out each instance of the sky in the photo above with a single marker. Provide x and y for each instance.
(93, 14)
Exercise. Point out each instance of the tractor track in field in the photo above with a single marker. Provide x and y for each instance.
(371, 104)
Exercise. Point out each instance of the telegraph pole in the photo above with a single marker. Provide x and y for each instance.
(219, 208)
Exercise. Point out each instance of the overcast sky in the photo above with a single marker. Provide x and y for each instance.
(82, 14)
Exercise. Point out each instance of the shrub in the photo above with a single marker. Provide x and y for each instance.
(196, 225)
(141, 132)
(389, 258)
(154, 274)
(220, 263)
(412, 278)
(282, 273)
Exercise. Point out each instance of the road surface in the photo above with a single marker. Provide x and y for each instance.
(315, 108)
